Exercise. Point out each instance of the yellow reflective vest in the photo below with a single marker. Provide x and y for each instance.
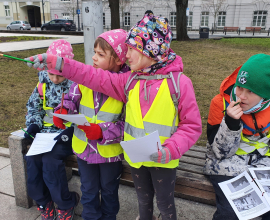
(48, 118)
(246, 146)
(109, 112)
(159, 117)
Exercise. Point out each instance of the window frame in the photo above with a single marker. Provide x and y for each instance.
(7, 10)
(204, 15)
(66, 15)
(190, 19)
(263, 18)
(126, 19)
(173, 19)
(221, 18)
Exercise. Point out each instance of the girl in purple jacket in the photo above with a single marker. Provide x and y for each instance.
(99, 172)
(157, 97)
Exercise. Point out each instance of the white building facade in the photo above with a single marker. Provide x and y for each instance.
(231, 13)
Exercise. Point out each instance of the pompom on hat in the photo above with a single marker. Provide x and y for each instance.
(151, 36)
(116, 39)
(255, 75)
(60, 48)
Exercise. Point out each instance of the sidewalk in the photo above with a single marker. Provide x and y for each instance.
(186, 210)
(15, 46)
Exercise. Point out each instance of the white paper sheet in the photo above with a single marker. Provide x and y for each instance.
(78, 119)
(140, 149)
(245, 197)
(262, 177)
(43, 142)
(19, 133)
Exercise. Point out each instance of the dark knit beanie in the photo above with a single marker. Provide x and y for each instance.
(151, 36)
(255, 75)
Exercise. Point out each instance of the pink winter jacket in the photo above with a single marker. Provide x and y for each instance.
(190, 127)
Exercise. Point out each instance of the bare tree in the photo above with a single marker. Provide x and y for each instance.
(115, 17)
(70, 7)
(123, 5)
(214, 7)
(181, 20)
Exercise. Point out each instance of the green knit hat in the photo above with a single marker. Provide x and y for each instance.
(255, 75)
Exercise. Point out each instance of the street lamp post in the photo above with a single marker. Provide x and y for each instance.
(79, 28)
(43, 12)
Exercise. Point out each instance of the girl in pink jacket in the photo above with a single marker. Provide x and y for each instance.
(157, 97)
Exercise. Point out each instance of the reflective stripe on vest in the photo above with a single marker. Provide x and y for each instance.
(48, 118)
(109, 112)
(246, 146)
(159, 117)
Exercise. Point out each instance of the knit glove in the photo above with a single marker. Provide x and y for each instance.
(45, 62)
(59, 122)
(92, 132)
(65, 137)
(162, 156)
(33, 129)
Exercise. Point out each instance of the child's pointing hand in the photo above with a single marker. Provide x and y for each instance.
(45, 62)
(234, 109)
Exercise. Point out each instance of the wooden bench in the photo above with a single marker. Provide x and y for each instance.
(227, 29)
(191, 184)
(253, 29)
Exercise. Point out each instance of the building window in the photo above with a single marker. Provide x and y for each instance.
(259, 18)
(103, 19)
(65, 15)
(173, 19)
(189, 20)
(204, 18)
(221, 18)
(127, 19)
(65, 0)
(7, 10)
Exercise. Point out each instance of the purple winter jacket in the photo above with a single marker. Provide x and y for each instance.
(112, 132)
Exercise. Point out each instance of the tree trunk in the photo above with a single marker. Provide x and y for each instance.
(181, 20)
(115, 17)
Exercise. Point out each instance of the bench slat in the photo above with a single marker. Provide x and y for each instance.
(196, 195)
(195, 154)
(190, 168)
(198, 148)
(197, 181)
(190, 160)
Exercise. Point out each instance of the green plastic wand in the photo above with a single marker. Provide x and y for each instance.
(15, 58)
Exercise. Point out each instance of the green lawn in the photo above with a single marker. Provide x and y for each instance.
(206, 62)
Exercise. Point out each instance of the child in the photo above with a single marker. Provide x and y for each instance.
(100, 166)
(227, 154)
(46, 175)
(153, 103)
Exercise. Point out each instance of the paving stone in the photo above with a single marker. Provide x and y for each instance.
(6, 185)
(4, 161)
(9, 210)
(4, 152)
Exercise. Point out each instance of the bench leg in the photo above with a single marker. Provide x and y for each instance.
(18, 167)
